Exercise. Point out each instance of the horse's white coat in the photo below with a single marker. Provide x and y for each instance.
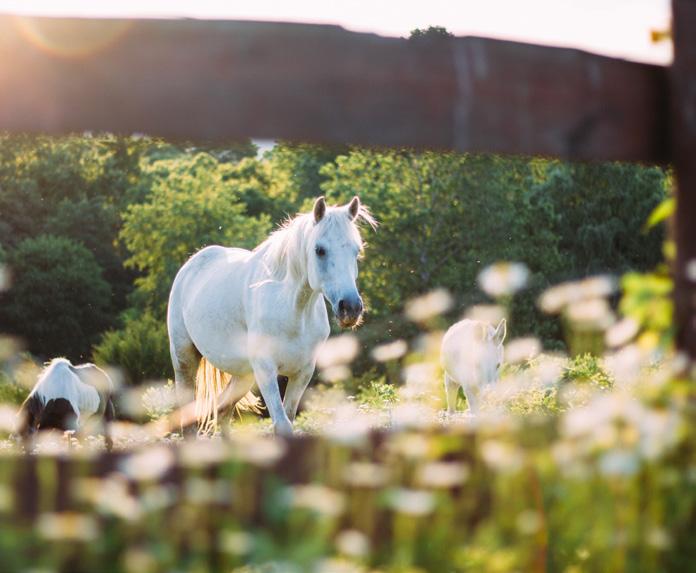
(60, 379)
(260, 314)
(471, 354)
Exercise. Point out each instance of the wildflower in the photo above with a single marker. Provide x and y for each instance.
(618, 463)
(203, 452)
(334, 565)
(522, 349)
(149, 464)
(659, 538)
(621, 332)
(442, 474)
(392, 351)
(555, 299)
(503, 279)
(501, 456)
(490, 313)
(412, 502)
(353, 543)
(236, 542)
(261, 451)
(159, 400)
(111, 496)
(429, 305)
(205, 491)
(67, 526)
(350, 426)
(365, 474)
(591, 314)
(413, 415)
(528, 522)
(139, 560)
(338, 350)
(335, 373)
(317, 498)
(8, 418)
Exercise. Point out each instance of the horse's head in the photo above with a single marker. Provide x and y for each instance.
(332, 257)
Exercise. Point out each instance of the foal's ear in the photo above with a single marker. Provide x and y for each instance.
(500, 332)
(354, 207)
(319, 209)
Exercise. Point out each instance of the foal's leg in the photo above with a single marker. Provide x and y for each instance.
(294, 391)
(472, 391)
(266, 374)
(451, 390)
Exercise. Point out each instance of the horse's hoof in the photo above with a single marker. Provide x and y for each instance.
(283, 429)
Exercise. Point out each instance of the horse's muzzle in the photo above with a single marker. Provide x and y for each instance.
(349, 312)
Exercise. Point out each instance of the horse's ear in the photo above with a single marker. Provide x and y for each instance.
(319, 209)
(354, 207)
(500, 332)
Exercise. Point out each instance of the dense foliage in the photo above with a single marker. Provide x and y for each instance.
(140, 207)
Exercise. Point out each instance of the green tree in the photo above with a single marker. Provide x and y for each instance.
(58, 302)
(444, 217)
(191, 205)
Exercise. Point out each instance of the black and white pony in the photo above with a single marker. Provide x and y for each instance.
(65, 396)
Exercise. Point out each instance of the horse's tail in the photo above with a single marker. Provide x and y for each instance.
(210, 382)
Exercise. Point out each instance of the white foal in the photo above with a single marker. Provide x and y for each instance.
(471, 354)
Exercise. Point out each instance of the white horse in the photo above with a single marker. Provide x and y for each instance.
(66, 395)
(471, 354)
(260, 315)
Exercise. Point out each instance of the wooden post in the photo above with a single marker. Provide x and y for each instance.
(683, 109)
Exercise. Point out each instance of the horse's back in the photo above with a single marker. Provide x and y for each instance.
(61, 381)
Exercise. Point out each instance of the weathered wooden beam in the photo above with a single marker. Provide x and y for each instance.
(220, 81)
(683, 106)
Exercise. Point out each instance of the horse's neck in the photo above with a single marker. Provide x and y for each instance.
(302, 296)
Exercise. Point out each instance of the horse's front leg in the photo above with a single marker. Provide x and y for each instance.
(294, 391)
(266, 374)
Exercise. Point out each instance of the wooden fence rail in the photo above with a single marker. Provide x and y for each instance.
(230, 80)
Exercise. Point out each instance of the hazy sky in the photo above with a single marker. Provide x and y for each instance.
(614, 27)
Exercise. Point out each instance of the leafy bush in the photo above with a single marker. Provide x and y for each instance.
(11, 392)
(140, 349)
(587, 369)
(377, 394)
(59, 302)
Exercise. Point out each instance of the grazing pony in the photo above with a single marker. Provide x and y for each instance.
(259, 316)
(471, 354)
(65, 396)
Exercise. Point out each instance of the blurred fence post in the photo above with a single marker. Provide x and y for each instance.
(683, 108)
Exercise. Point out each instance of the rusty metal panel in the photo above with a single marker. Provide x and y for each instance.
(218, 81)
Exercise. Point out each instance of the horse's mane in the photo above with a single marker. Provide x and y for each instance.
(284, 252)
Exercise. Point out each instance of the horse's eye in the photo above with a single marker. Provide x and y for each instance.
(320, 251)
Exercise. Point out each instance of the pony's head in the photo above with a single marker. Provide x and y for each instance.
(492, 350)
(332, 249)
